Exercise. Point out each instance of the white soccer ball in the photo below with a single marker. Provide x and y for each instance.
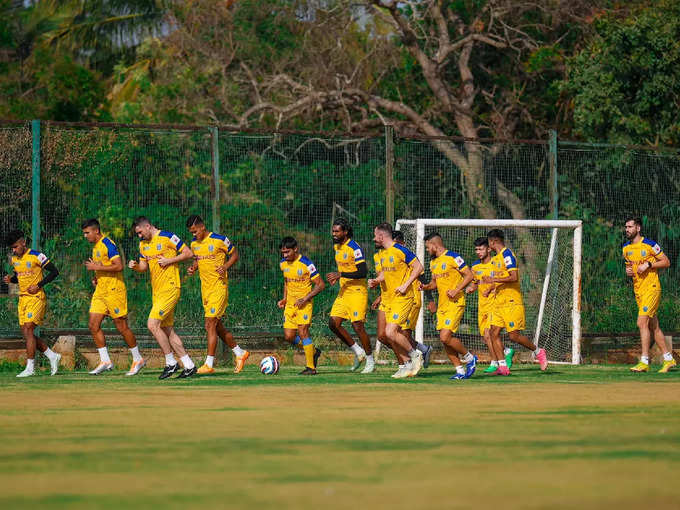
(269, 365)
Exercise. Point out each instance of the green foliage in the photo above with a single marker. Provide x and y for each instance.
(624, 83)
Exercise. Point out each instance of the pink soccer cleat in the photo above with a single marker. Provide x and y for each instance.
(542, 358)
(502, 371)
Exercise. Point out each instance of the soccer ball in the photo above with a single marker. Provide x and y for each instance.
(269, 365)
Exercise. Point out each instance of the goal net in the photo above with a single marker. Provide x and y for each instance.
(549, 258)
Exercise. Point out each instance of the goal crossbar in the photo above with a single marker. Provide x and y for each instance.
(575, 225)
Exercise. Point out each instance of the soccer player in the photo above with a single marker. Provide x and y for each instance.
(109, 297)
(159, 253)
(299, 273)
(507, 307)
(426, 350)
(352, 299)
(399, 268)
(29, 266)
(450, 276)
(214, 255)
(644, 258)
(481, 268)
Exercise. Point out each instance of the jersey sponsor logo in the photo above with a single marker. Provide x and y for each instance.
(174, 239)
(656, 249)
(358, 254)
(312, 268)
(508, 261)
(460, 261)
(42, 258)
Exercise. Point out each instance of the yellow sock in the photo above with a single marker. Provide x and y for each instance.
(309, 355)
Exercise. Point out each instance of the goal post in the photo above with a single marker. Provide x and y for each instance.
(549, 255)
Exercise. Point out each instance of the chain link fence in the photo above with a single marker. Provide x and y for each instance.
(258, 187)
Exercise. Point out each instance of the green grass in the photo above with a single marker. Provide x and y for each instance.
(573, 437)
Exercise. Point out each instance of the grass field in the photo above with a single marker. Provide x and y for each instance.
(573, 437)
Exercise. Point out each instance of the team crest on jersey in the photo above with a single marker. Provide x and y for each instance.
(145, 248)
(643, 253)
(286, 269)
(211, 248)
(443, 266)
(391, 259)
(447, 322)
(344, 255)
(629, 253)
(99, 253)
(28, 264)
(305, 316)
(116, 310)
(161, 312)
(299, 271)
(159, 247)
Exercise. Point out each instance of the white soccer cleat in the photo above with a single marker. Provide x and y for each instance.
(416, 364)
(28, 372)
(403, 372)
(136, 367)
(54, 364)
(102, 367)
(358, 359)
(370, 367)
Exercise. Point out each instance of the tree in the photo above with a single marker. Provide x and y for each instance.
(623, 87)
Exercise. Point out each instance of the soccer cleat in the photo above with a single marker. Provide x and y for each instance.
(508, 357)
(168, 371)
(240, 362)
(458, 376)
(205, 369)
(54, 364)
(542, 358)
(187, 372)
(667, 365)
(27, 372)
(640, 367)
(358, 359)
(502, 371)
(308, 371)
(136, 367)
(426, 356)
(491, 369)
(416, 364)
(470, 367)
(402, 373)
(370, 367)
(317, 355)
(101, 368)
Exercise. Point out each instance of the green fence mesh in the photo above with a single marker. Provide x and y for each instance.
(273, 185)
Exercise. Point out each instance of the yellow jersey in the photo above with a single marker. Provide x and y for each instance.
(637, 253)
(506, 293)
(395, 264)
(347, 256)
(103, 252)
(298, 276)
(29, 270)
(480, 270)
(164, 244)
(378, 268)
(446, 271)
(211, 253)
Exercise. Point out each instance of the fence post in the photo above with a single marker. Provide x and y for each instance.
(389, 174)
(35, 181)
(215, 185)
(554, 193)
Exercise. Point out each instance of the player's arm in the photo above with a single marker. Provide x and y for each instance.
(139, 266)
(319, 285)
(233, 259)
(116, 265)
(468, 276)
(361, 272)
(374, 282)
(11, 279)
(473, 286)
(52, 273)
(416, 270)
(661, 261)
(185, 253)
(376, 302)
(513, 276)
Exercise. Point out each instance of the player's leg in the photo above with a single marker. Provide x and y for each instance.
(34, 343)
(426, 350)
(161, 337)
(94, 324)
(308, 347)
(360, 330)
(497, 346)
(340, 312)
(240, 355)
(660, 339)
(210, 324)
(138, 362)
(446, 338)
(410, 360)
(177, 346)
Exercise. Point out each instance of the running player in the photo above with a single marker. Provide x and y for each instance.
(29, 266)
(507, 307)
(426, 350)
(399, 268)
(644, 258)
(299, 273)
(159, 252)
(109, 297)
(352, 299)
(481, 268)
(214, 255)
(450, 276)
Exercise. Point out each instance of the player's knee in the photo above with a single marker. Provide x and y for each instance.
(358, 327)
(153, 325)
(93, 326)
(642, 321)
(334, 323)
(121, 325)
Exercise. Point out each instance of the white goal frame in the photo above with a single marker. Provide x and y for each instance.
(555, 225)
